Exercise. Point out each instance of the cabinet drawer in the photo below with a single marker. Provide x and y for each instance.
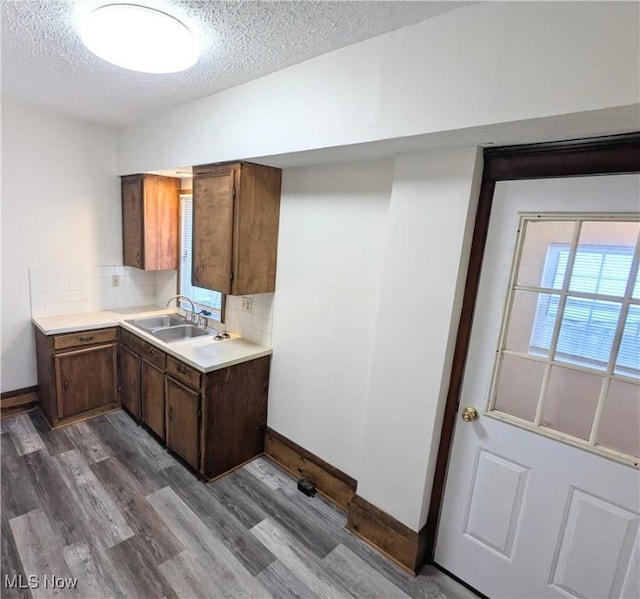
(185, 374)
(84, 338)
(150, 353)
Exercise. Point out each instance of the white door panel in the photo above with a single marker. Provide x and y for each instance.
(525, 515)
(590, 563)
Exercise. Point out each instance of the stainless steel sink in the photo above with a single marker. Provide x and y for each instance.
(179, 333)
(170, 327)
(157, 322)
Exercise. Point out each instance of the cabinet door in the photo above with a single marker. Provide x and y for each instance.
(132, 222)
(160, 222)
(213, 199)
(152, 393)
(86, 379)
(183, 430)
(256, 220)
(235, 415)
(130, 381)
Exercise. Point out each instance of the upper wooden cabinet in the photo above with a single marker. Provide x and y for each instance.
(150, 221)
(236, 208)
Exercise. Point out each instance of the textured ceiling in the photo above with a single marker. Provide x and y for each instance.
(44, 61)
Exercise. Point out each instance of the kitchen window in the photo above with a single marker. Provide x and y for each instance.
(203, 298)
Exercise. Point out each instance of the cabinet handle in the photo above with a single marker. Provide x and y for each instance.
(137, 257)
(89, 338)
(182, 369)
(65, 383)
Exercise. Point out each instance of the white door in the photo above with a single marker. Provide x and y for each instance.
(542, 497)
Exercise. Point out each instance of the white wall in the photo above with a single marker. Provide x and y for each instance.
(371, 267)
(362, 385)
(332, 229)
(430, 227)
(487, 63)
(60, 206)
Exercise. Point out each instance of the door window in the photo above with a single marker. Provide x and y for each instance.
(568, 364)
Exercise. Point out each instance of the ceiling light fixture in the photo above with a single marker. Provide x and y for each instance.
(139, 38)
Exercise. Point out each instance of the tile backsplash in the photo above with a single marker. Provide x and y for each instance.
(57, 291)
(255, 326)
(61, 290)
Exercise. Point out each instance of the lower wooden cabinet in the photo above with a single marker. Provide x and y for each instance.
(214, 421)
(77, 374)
(152, 397)
(130, 381)
(142, 368)
(77, 392)
(234, 415)
(183, 421)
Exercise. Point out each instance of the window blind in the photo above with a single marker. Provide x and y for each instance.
(589, 324)
(628, 361)
(204, 297)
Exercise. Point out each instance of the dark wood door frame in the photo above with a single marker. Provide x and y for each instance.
(610, 155)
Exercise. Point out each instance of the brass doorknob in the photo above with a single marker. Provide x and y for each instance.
(469, 414)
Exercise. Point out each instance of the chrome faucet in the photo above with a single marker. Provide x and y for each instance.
(203, 322)
(190, 317)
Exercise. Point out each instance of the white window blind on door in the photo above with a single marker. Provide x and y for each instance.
(204, 297)
(589, 323)
(568, 363)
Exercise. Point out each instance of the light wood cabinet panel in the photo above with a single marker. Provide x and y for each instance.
(150, 221)
(183, 421)
(133, 221)
(130, 381)
(152, 398)
(236, 210)
(86, 379)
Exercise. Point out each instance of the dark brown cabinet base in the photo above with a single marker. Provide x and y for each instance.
(183, 421)
(130, 381)
(235, 415)
(214, 422)
(77, 374)
(152, 402)
(77, 392)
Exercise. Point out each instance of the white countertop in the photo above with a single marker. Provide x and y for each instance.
(203, 353)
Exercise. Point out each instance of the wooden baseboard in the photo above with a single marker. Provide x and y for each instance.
(389, 536)
(398, 542)
(334, 484)
(100, 411)
(18, 401)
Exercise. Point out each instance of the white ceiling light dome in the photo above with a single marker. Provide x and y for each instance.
(139, 38)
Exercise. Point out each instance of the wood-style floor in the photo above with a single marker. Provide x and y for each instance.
(103, 502)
